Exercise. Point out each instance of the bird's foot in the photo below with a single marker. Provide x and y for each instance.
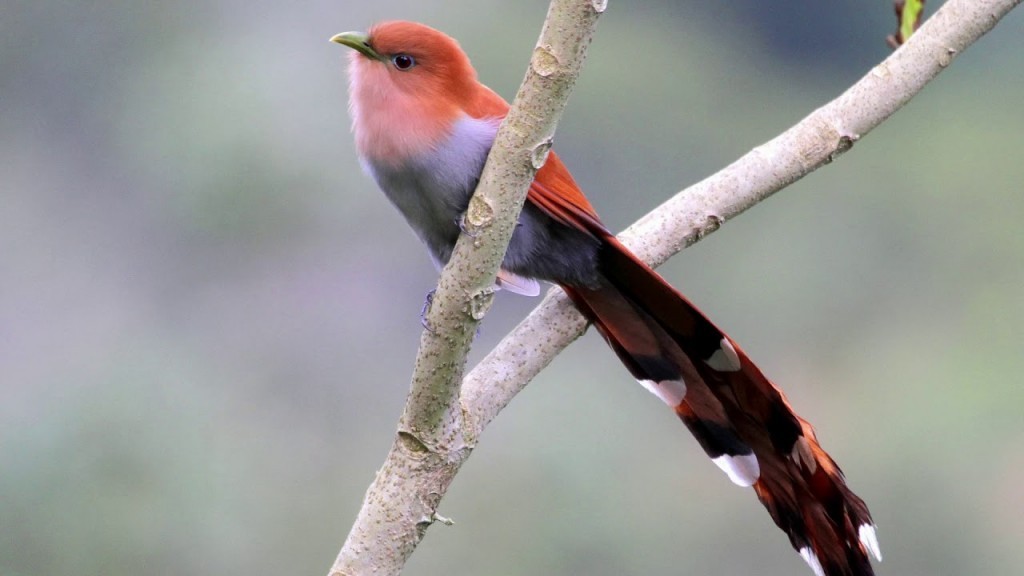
(427, 301)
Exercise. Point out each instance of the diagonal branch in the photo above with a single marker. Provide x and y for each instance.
(433, 440)
(436, 434)
(702, 208)
(465, 289)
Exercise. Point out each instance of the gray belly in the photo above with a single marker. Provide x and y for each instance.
(431, 208)
(433, 192)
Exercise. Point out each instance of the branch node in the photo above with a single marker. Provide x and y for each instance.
(478, 215)
(539, 154)
(881, 70)
(844, 144)
(480, 302)
(411, 443)
(946, 58)
(544, 61)
(712, 222)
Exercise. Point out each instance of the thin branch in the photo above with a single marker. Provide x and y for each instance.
(432, 440)
(702, 208)
(402, 501)
(466, 287)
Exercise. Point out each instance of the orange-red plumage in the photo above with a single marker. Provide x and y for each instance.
(423, 125)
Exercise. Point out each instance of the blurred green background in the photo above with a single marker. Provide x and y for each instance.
(208, 315)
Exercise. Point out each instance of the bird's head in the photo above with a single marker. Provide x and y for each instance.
(408, 82)
(410, 58)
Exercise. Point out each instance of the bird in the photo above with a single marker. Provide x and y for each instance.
(423, 125)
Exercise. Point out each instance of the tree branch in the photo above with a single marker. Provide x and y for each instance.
(432, 440)
(441, 423)
(702, 208)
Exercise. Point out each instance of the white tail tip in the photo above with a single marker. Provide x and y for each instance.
(869, 538)
(812, 560)
(743, 470)
(671, 392)
(725, 359)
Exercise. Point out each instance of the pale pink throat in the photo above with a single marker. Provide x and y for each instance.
(392, 124)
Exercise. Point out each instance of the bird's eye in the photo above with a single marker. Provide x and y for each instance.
(403, 61)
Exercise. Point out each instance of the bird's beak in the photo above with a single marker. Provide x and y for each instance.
(359, 42)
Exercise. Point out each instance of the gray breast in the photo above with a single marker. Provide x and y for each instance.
(433, 191)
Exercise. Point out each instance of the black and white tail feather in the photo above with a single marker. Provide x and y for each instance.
(743, 422)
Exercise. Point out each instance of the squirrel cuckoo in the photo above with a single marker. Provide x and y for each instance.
(423, 126)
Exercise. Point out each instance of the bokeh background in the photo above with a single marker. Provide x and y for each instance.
(208, 315)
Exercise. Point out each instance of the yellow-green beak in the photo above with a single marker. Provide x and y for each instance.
(359, 42)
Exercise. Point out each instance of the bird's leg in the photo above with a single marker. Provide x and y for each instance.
(461, 222)
(427, 301)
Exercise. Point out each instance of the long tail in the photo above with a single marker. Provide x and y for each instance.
(743, 422)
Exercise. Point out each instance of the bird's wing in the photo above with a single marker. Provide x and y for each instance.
(553, 190)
